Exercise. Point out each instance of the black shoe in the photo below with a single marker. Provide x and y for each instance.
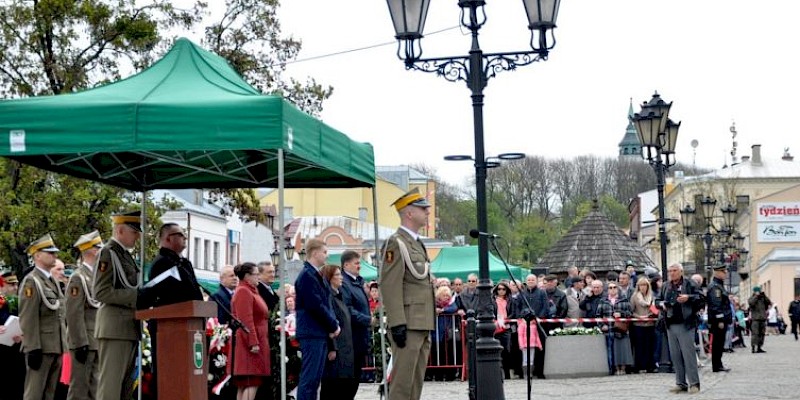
(760, 350)
(723, 369)
(754, 350)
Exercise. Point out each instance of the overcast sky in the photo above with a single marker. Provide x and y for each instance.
(718, 61)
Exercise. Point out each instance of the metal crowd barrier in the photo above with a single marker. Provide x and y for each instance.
(448, 355)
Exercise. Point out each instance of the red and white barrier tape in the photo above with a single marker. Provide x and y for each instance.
(569, 320)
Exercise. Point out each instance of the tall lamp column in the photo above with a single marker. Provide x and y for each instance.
(408, 17)
(658, 135)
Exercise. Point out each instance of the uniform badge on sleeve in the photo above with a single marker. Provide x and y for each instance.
(389, 257)
(74, 291)
(28, 292)
(103, 266)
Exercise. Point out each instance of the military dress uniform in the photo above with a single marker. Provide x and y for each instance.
(408, 300)
(117, 330)
(44, 333)
(81, 315)
(719, 312)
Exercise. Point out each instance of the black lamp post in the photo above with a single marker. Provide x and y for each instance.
(710, 231)
(475, 69)
(658, 135)
(276, 257)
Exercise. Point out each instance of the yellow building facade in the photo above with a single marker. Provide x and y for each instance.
(355, 203)
(751, 186)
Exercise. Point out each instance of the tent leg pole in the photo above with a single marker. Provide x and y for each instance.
(378, 260)
(282, 307)
(142, 252)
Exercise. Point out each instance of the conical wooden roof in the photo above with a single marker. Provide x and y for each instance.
(596, 243)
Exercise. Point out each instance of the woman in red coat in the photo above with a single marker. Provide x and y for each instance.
(251, 354)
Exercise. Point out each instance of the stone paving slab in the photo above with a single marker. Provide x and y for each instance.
(774, 375)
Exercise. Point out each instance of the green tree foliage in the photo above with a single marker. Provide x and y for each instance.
(60, 46)
(36, 202)
(248, 35)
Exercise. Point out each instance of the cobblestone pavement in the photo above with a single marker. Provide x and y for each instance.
(774, 375)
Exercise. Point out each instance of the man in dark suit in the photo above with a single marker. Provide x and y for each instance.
(227, 283)
(170, 291)
(266, 277)
(361, 320)
(316, 321)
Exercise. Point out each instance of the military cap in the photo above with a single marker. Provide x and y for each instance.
(132, 219)
(550, 277)
(411, 198)
(10, 278)
(757, 289)
(89, 240)
(721, 267)
(44, 243)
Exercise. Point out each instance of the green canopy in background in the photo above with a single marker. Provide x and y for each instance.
(368, 271)
(458, 262)
(451, 263)
(188, 121)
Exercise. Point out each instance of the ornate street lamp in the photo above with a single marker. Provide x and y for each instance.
(276, 257)
(475, 69)
(658, 135)
(289, 251)
(710, 232)
(302, 254)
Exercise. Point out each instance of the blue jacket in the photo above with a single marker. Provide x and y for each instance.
(315, 316)
(361, 320)
(223, 299)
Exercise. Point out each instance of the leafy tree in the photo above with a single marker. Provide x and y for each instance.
(61, 46)
(36, 202)
(248, 35)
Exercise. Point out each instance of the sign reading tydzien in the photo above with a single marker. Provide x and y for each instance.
(778, 221)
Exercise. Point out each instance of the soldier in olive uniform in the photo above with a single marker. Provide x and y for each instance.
(116, 285)
(41, 317)
(759, 304)
(81, 312)
(408, 298)
(720, 316)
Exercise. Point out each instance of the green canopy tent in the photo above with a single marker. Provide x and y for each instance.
(188, 121)
(458, 262)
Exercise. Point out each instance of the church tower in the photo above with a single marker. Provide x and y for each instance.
(630, 147)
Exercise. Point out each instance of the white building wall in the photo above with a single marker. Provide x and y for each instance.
(206, 233)
(257, 243)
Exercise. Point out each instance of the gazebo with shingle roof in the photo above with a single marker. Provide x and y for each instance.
(594, 243)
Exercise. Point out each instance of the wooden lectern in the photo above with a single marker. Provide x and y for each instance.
(182, 354)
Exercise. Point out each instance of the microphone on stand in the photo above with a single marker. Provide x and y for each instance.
(233, 322)
(474, 233)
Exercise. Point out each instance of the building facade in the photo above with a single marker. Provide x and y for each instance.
(753, 186)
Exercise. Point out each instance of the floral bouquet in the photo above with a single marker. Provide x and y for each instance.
(293, 358)
(574, 331)
(219, 336)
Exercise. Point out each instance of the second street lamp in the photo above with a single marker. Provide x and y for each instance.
(710, 233)
(475, 69)
(658, 136)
